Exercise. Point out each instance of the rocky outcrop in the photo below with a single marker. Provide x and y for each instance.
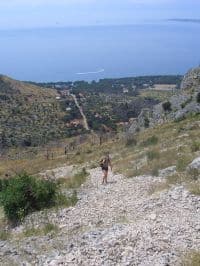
(167, 171)
(195, 165)
(180, 105)
(191, 79)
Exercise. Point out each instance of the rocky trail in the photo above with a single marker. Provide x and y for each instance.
(120, 223)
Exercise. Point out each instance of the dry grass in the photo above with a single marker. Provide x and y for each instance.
(4, 235)
(194, 188)
(160, 147)
(191, 259)
(157, 94)
(171, 144)
(86, 152)
(48, 228)
(3, 220)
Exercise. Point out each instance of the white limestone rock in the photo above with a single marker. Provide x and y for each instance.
(167, 171)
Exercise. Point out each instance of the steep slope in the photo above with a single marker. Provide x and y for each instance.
(147, 219)
(29, 115)
(150, 218)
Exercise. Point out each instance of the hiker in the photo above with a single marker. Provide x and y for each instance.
(104, 164)
(65, 150)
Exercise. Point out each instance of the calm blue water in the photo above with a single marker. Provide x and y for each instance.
(113, 51)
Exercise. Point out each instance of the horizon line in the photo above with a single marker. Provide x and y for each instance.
(139, 22)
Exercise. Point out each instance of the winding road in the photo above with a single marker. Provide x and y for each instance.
(85, 122)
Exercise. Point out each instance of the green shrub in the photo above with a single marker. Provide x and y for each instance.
(3, 184)
(183, 105)
(150, 141)
(32, 232)
(131, 141)
(25, 194)
(182, 163)
(155, 171)
(151, 155)
(167, 106)
(146, 122)
(195, 146)
(48, 228)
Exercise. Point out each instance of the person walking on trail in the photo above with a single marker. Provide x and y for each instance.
(105, 162)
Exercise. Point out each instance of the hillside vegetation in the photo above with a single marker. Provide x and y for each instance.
(30, 115)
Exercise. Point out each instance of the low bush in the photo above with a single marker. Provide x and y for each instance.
(155, 171)
(150, 141)
(182, 163)
(48, 228)
(195, 146)
(131, 141)
(3, 184)
(146, 122)
(167, 106)
(151, 155)
(24, 194)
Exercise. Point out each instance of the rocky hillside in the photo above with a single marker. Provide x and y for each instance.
(122, 223)
(178, 107)
(29, 115)
(147, 215)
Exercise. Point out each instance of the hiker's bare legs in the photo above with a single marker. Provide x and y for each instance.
(105, 176)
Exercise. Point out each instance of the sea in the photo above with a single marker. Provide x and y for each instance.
(96, 52)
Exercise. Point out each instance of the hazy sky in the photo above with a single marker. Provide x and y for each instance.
(46, 13)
